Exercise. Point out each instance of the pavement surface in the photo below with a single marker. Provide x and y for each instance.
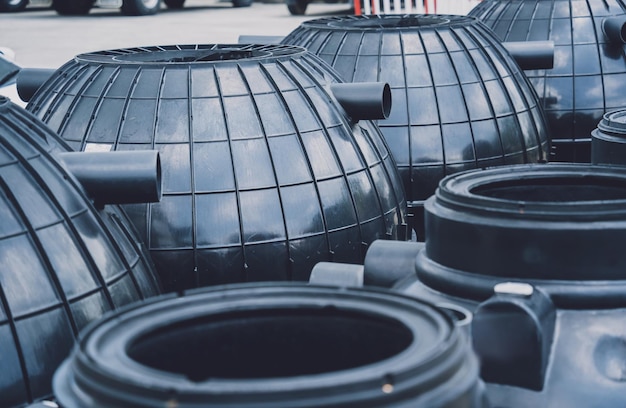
(40, 38)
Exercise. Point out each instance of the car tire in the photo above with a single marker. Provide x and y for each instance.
(174, 4)
(297, 7)
(140, 7)
(72, 7)
(11, 6)
(242, 3)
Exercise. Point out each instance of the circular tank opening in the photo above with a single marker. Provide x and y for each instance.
(391, 22)
(271, 343)
(555, 189)
(173, 56)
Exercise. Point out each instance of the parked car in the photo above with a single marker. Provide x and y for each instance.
(127, 7)
(298, 7)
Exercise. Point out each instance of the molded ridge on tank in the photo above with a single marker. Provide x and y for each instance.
(273, 345)
(460, 101)
(264, 174)
(63, 263)
(589, 62)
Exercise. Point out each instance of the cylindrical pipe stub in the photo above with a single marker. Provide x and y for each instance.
(118, 177)
(363, 100)
(29, 80)
(387, 262)
(614, 28)
(608, 140)
(531, 55)
(337, 274)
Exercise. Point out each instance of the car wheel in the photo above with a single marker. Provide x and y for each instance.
(140, 7)
(12, 5)
(297, 7)
(242, 3)
(72, 7)
(174, 4)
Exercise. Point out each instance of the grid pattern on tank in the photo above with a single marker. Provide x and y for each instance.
(62, 262)
(459, 100)
(263, 176)
(588, 72)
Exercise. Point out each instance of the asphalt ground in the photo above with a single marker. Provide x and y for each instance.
(40, 38)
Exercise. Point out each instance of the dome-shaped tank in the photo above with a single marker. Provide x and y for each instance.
(273, 345)
(589, 67)
(264, 172)
(460, 101)
(536, 252)
(63, 262)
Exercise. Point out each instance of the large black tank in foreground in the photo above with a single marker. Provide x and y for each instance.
(63, 262)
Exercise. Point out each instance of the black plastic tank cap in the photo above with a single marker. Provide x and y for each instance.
(512, 334)
(531, 55)
(387, 262)
(337, 274)
(363, 100)
(119, 177)
(614, 28)
(29, 80)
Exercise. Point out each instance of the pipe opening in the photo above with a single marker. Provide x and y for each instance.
(174, 56)
(391, 22)
(555, 189)
(614, 29)
(253, 344)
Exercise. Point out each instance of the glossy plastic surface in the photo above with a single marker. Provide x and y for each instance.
(459, 99)
(62, 262)
(589, 69)
(263, 175)
(558, 228)
(273, 346)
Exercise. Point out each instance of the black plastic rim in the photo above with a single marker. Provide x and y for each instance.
(550, 191)
(376, 22)
(614, 123)
(116, 356)
(557, 226)
(192, 53)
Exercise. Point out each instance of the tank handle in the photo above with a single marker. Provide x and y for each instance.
(512, 334)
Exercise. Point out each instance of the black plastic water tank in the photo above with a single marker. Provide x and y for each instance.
(535, 251)
(283, 345)
(460, 101)
(63, 263)
(589, 65)
(265, 174)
